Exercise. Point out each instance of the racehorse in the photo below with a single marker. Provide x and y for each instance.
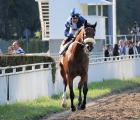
(75, 63)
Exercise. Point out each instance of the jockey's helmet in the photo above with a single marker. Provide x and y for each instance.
(75, 13)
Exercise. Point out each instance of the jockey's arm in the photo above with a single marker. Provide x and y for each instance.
(66, 32)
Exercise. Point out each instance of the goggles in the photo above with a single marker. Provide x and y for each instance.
(75, 16)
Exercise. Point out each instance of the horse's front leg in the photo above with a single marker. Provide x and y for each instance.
(82, 104)
(64, 104)
(85, 90)
(73, 108)
(80, 98)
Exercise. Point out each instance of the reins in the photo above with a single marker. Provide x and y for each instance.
(80, 43)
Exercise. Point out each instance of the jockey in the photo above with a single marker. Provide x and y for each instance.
(74, 22)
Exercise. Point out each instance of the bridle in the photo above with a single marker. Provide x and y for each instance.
(82, 43)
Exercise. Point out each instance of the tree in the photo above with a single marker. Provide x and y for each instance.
(16, 15)
(127, 13)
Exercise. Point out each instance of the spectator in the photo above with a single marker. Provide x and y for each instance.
(116, 50)
(0, 51)
(122, 48)
(126, 45)
(138, 47)
(135, 33)
(132, 49)
(10, 50)
(17, 48)
(108, 51)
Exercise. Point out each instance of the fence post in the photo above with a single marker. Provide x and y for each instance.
(3, 71)
(14, 70)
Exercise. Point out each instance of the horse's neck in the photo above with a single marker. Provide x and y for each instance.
(79, 37)
(77, 46)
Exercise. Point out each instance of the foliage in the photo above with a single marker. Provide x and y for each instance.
(38, 34)
(44, 106)
(127, 11)
(15, 60)
(16, 15)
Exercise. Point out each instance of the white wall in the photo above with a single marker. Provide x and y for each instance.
(26, 84)
(122, 69)
(59, 11)
(3, 90)
(100, 28)
(30, 85)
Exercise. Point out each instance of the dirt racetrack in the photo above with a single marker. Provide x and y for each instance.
(117, 106)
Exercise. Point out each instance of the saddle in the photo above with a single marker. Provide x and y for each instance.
(65, 47)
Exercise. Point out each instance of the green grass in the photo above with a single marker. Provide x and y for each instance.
(44, 106)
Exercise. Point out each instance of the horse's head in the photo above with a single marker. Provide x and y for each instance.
(89, 32)
(86, 34)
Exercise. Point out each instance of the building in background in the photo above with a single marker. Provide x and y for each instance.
(54, 13)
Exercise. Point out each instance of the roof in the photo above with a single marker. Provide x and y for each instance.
(96, 2)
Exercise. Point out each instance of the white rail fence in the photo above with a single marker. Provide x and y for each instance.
(55, 56)
(34, 83)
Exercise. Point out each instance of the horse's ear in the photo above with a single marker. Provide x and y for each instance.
(95, 25)
(85, 23)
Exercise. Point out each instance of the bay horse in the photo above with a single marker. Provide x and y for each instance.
(75, 63)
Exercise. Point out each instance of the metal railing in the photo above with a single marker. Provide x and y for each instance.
(24, 70)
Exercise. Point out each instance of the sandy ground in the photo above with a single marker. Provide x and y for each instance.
(117, 106)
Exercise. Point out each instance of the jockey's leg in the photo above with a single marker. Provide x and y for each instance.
(66, 40)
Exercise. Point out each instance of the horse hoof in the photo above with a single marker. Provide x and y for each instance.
(78, 107)
(64, 105)
(82, 107)
(73, 109)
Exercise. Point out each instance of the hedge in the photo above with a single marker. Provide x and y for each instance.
(15, 60)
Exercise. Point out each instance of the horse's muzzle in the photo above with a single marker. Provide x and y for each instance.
(88, 40)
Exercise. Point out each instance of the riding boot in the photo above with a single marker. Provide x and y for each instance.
(64, 42)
